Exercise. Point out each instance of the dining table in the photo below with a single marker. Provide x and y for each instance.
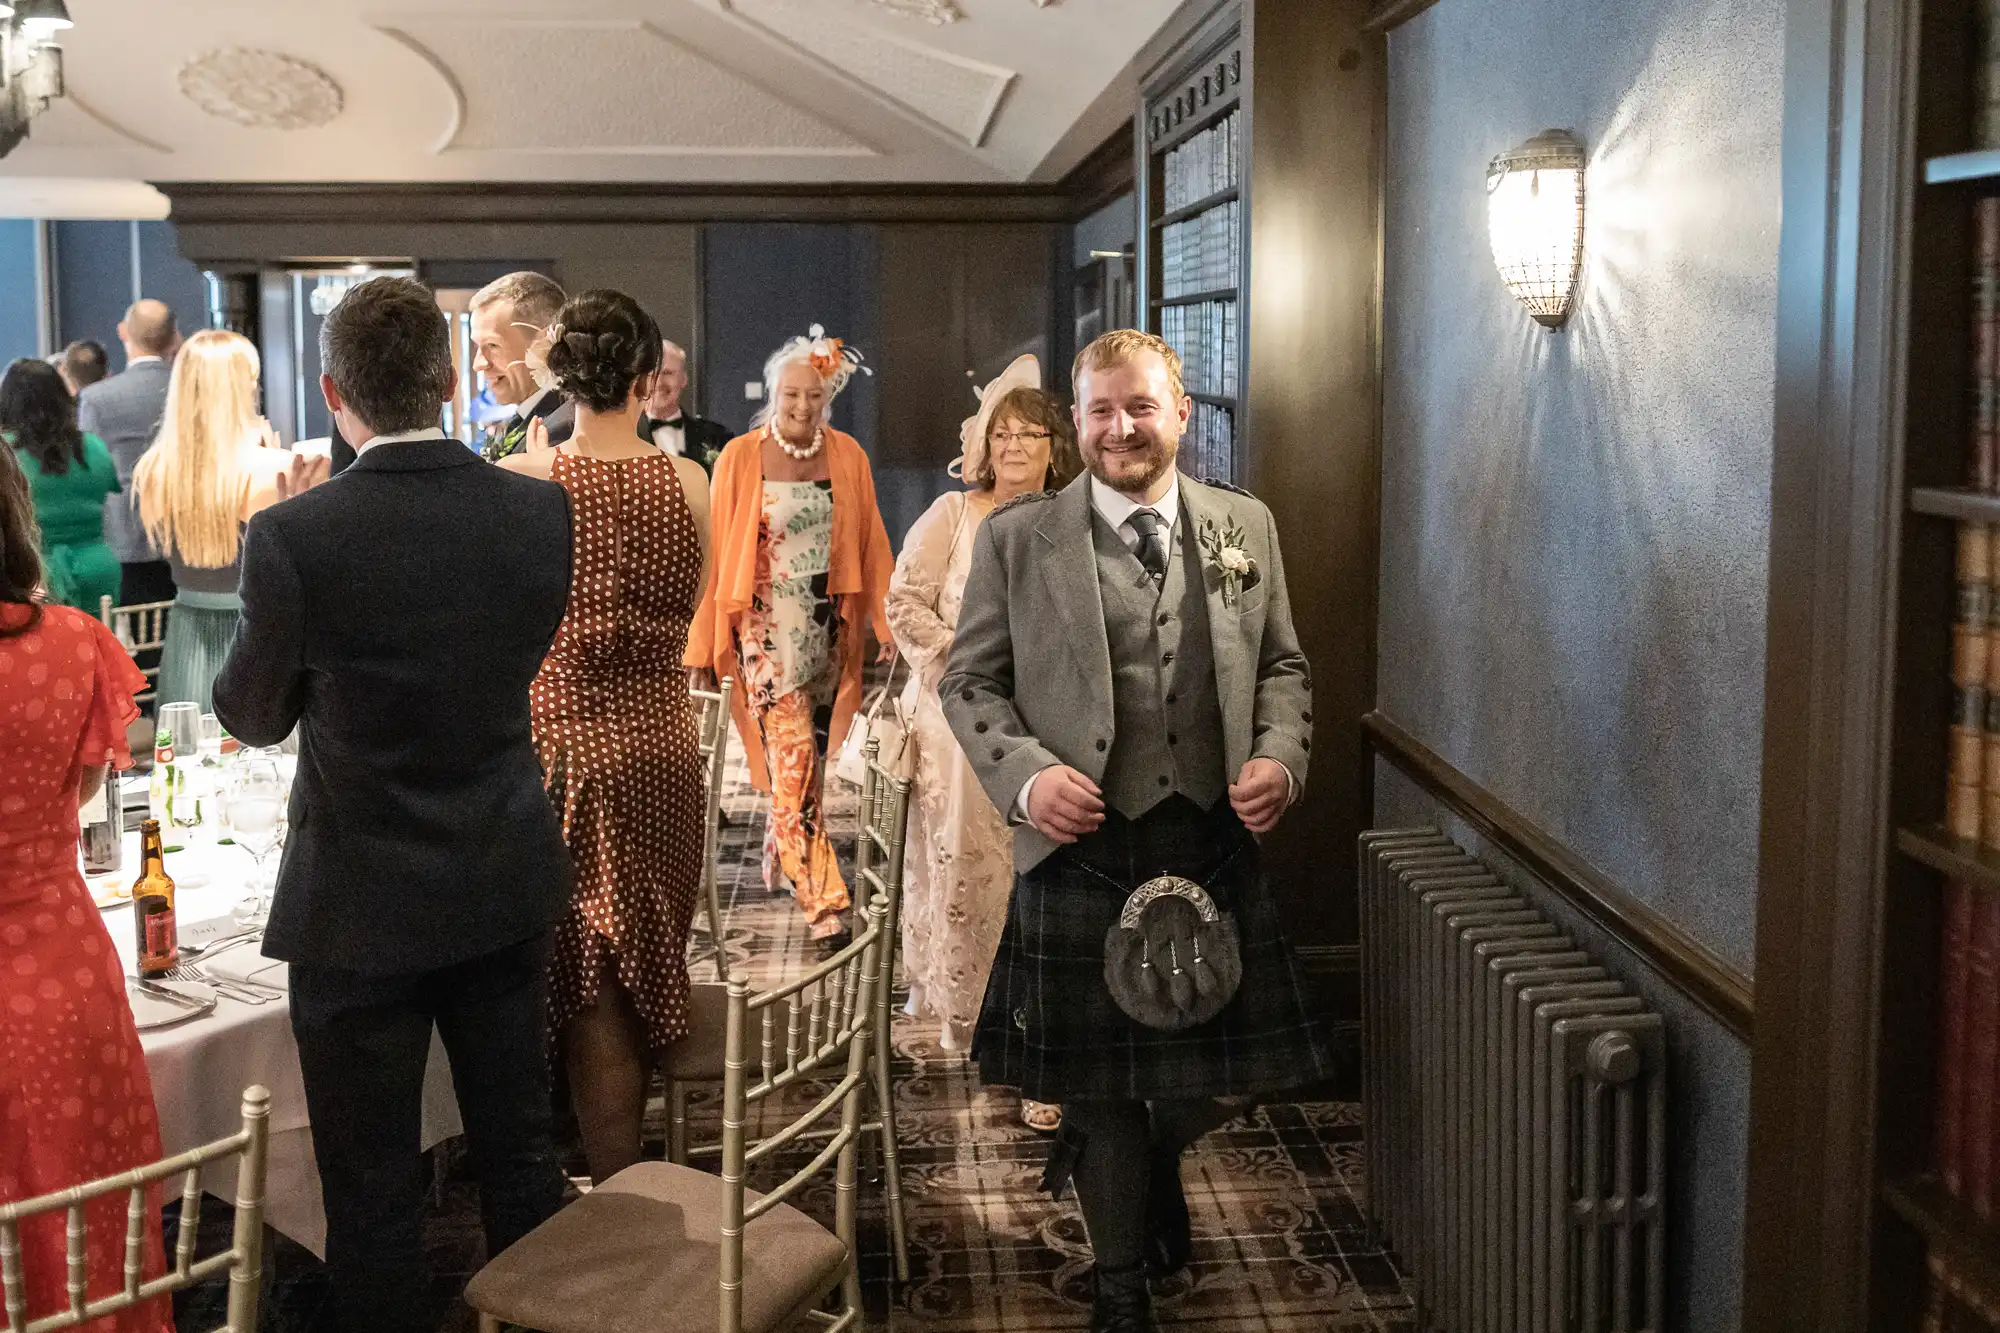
(201, 1057)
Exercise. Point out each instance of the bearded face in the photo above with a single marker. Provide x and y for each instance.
(1129, 423)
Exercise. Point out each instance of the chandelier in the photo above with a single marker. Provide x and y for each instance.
(31, 67)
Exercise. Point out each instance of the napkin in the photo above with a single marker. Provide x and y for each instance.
(245, 961)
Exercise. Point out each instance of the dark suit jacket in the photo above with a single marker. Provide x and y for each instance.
(124, 412)
(704, 438)
(557, 413)
(397, 614)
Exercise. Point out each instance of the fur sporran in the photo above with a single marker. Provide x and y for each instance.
(1172, 961)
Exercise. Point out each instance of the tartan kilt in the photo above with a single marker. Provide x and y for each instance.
(1049, 1025)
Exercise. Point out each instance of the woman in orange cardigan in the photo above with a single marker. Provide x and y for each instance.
(801, 562)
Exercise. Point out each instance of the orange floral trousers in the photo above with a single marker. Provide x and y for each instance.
(795, 841)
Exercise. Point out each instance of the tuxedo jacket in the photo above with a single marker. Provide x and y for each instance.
(1029, 680)
(396, 615)
(704, 438)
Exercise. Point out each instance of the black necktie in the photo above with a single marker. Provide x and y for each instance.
(1152, 545)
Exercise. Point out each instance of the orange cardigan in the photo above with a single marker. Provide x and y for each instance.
(857, 581)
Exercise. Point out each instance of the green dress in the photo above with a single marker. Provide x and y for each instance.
(70, 507)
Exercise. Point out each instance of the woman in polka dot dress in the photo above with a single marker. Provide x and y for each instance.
(613, 723)
(75, 1100)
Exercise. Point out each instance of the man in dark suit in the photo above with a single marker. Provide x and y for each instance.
(396, 615)
(508, 315)
(665, 424)
(124, 412)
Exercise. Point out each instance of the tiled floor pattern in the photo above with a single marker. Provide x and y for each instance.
(1281, 1241)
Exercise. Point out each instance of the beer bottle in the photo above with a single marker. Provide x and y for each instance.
(153, 906)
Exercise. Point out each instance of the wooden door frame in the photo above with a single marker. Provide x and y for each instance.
(1848, 172)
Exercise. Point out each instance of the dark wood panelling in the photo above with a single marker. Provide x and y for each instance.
(1311, 417)
(1835, 498)
(1663, 946)
(1094, 183)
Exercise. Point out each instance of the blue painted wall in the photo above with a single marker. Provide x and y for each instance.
(95, 279)
(1575, 524)
(19, 334)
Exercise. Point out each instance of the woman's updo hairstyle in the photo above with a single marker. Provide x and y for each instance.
(600, 346)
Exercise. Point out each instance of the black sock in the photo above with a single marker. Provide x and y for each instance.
(1110, 1178)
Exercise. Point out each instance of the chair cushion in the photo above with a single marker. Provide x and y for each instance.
(697, 1057)
(642, 1252)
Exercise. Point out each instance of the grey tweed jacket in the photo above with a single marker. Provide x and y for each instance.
(124, 412)
(1028, 683)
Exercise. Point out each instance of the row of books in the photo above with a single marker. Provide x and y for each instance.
(1983, 461)
(1205, 336)
(1966, 1138)
(1209, 447)
(1202, 253)
(1204, 165)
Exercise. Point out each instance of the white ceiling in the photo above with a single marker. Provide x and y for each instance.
(709, 91)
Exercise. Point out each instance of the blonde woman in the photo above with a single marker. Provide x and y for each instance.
(215, 462)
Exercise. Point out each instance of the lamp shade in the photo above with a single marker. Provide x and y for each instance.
(1534, 219)
(42, 19)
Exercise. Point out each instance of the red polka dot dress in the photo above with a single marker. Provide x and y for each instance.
(615, 731)
(76, 1103)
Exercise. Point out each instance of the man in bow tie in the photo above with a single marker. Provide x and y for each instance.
(508, 315)
(665, 424)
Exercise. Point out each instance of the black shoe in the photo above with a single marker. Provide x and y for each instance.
(829, 945)
(1169, 1229)
(1122, 1304)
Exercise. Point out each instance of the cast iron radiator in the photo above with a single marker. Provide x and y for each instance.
(1516, 1104)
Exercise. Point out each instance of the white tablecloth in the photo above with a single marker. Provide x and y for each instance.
(201, 1067)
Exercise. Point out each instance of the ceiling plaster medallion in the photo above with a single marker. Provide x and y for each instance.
(265, 90)
(939, 12)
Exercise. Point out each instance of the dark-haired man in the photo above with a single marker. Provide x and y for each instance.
(396, 615)
(82, 364)
(508, 315)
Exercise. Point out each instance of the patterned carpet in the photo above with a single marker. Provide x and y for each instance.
(1281, 1244)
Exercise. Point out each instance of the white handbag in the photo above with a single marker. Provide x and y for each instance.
(882, 720)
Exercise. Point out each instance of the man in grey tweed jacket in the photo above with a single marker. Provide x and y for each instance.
(124, 412)
(1127, 685)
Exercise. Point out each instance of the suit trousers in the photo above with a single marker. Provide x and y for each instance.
(363, 1044)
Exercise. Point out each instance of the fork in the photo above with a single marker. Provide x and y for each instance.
(246, 992)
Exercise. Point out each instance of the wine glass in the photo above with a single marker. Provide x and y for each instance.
(180, 726)
(255, 800)
(211, 738)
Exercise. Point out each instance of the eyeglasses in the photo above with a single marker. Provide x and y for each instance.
(1017, 436)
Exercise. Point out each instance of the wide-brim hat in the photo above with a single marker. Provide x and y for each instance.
(1025, 373)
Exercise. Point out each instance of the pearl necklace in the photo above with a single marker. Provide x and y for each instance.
(801, 453)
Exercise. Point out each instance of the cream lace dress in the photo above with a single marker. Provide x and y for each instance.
(960, 868)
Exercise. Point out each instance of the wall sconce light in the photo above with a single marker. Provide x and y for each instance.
(1534, 218)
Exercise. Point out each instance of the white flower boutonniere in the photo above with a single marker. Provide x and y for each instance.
(1229, 564)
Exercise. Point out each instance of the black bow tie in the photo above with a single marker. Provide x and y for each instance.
(671, 421)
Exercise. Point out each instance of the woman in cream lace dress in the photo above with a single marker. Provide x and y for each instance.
(960, 868)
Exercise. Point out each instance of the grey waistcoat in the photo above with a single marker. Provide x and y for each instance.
(1168, 720)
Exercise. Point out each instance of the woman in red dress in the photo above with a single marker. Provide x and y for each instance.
(75, 1100)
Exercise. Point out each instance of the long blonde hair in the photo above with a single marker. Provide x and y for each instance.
(190, 484)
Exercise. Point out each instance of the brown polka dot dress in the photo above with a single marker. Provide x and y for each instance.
(615, 732)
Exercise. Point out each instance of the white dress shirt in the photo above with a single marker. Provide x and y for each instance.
(672, 436)
(132, 361)
(402, 437)
(526, 406)
(1115, 508)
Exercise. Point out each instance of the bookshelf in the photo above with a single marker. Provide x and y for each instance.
(1193, 138)
(1944, 702)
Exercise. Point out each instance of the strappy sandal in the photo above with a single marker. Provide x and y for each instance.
(1042, 1117)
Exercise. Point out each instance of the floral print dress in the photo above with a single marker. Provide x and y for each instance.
(791, 672)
